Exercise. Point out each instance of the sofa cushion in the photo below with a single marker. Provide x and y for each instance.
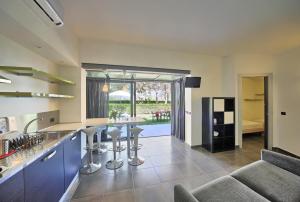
(226, 189)
(270, 181)
(182, 195)
(288, 163)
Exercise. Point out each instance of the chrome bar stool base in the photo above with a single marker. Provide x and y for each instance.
(90, 168)
(120, 148)
(98, 146)
(114, 164)
(136, 161)
(132, 148)
(100, 149)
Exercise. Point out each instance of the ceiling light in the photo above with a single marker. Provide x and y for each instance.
(105, 87)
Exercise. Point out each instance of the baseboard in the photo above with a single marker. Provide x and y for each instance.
(282, 151)
(195, 146)
(71, 189)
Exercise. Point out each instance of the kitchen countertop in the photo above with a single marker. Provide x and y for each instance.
(21, 159)
(90, 122)
(62, 127)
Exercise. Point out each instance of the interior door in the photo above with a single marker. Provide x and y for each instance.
(266, 111)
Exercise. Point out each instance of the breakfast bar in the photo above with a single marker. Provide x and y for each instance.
(94, 122)
(58, 155)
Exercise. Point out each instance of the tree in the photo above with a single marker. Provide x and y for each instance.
(154, 91)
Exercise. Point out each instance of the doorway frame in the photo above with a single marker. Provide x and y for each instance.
(239, 107)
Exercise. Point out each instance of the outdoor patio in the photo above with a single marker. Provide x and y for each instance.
(155, 130)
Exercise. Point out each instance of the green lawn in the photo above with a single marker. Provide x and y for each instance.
(154, 121)
(143, 110)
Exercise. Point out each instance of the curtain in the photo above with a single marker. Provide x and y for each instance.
(178, 109)
(96, 99)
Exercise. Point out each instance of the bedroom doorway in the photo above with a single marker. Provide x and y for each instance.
(254, 92)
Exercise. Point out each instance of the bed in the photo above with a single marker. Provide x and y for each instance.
(256, 126)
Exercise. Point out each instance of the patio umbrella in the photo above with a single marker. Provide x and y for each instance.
(119, 95)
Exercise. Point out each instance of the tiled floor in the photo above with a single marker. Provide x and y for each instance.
(167, 162)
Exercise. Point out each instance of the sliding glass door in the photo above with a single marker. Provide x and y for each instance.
(125, 97)
(153, 104)
(120, 104)
(149, 100)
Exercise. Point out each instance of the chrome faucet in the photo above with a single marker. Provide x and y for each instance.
(29, 123)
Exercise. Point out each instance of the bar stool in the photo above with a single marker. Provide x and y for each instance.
(99, 146)
(114, 163)
(136, 160)
(91, 167)
(132, 148)
(120, 147)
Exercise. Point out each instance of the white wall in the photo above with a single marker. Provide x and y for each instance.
(12, 54)
(244, 64)
(209, 67)
(288, 68)
(73, 110)
(250, 65)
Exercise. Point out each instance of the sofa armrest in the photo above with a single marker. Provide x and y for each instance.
(288, 163)
(182, 195)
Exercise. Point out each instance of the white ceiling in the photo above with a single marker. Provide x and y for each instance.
(217, 27)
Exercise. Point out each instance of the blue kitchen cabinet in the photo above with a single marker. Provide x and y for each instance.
(72, 157)
(44, 178)
(12, 189)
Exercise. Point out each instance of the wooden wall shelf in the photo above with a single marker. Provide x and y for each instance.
(37, 74)
(31, 94)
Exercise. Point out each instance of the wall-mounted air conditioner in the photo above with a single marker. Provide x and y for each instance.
(51, 9)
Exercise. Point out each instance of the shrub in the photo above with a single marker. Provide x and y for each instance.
(141, 108)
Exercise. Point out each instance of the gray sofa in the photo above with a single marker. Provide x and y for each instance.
(275, 177)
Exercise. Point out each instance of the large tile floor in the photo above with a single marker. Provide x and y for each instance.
(168, 161)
